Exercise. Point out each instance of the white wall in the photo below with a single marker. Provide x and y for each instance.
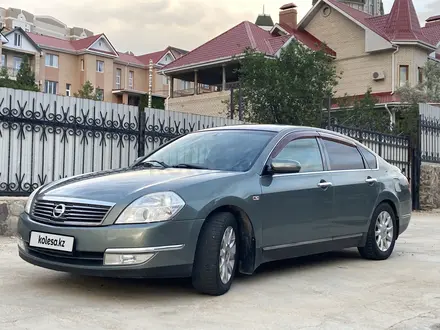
(25, 44)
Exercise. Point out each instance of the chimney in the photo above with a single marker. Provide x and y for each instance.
(289, 15)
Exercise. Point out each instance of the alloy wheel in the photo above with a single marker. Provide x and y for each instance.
(384, 231)
(228, 249)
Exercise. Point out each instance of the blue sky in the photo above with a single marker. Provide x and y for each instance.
(145, 26)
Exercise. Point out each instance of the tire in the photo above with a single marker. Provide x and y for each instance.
(206, 275)
(373, 249)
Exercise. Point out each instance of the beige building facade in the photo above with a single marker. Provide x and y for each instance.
(366, 58)
(63, 66)
(11, 18)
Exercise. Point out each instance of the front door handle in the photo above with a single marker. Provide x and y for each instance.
(370, 180)
(325, 184)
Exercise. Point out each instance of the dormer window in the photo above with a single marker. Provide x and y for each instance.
(17, 40)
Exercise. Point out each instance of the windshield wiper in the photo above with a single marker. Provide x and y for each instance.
(149, 163)
(197, 167)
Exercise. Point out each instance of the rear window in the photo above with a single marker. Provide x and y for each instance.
(369, 157)
(343, 156)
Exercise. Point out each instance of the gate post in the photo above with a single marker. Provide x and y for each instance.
(416, 162)
(141, 130)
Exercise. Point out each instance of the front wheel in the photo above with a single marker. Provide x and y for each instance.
(382, 234)
(216, 257)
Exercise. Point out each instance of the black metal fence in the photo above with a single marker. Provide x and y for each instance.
(430, 139)
(46, 137)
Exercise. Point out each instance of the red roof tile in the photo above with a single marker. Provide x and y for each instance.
(128, 58)
(382, 97)
(401, 24)
(239, 38)
(307, 38)
(86, 42)
(437, 56)
(47, 41)
(156, 56)
(432, 33)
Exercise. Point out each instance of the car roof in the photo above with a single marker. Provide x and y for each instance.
(280, 128)
(257, 127)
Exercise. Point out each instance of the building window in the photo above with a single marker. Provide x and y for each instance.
(99, 66)
(50, 87)
(17, 40)
(52, 60)
(164, 80)
(118, 78)
(17, 62)
(131, 79)
(82, 65)
(403, 75)
(420, 75)
(100, 94)
(3, 60)
(68, 87)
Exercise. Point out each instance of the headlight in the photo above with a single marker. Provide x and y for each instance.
(30, 200)
(152, 208)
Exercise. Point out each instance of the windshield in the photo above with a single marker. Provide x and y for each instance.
(227, 150)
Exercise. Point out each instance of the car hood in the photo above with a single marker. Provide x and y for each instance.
(116, 185)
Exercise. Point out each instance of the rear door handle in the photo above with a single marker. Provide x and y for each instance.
(371, 180)
(325, 184)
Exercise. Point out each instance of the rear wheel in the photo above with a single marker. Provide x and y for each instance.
(381, 236)
(216, 256)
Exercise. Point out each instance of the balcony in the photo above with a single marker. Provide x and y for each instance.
(12, 72)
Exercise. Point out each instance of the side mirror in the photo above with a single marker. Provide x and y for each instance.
(285, 167)
(136, 161)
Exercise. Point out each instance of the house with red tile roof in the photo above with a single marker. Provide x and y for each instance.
(379, 52)
(212, 66)
(62, 66)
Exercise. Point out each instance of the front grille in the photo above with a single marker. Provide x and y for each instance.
(74, 258)
(74, 213)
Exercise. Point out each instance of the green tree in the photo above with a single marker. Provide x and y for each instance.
(362, 113)
(25, 76)
(288, 89)
(89, 92)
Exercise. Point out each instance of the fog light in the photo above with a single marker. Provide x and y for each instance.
(113, 259)
(21, 244)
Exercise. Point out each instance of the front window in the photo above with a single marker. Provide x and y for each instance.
(68, 87)
(130, 79)
(50, 87)
(3, 60)
(17, 63)
(118, 78)
(100, 66)
(403, 75)
(226, 150)
(17, 40)
(305, 151)
(52, 60)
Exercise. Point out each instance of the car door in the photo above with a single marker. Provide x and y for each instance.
(297, 207)
(354, 185)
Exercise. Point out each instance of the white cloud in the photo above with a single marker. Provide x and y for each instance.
(145, 26)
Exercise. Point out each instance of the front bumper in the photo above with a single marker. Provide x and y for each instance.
(173, 244)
